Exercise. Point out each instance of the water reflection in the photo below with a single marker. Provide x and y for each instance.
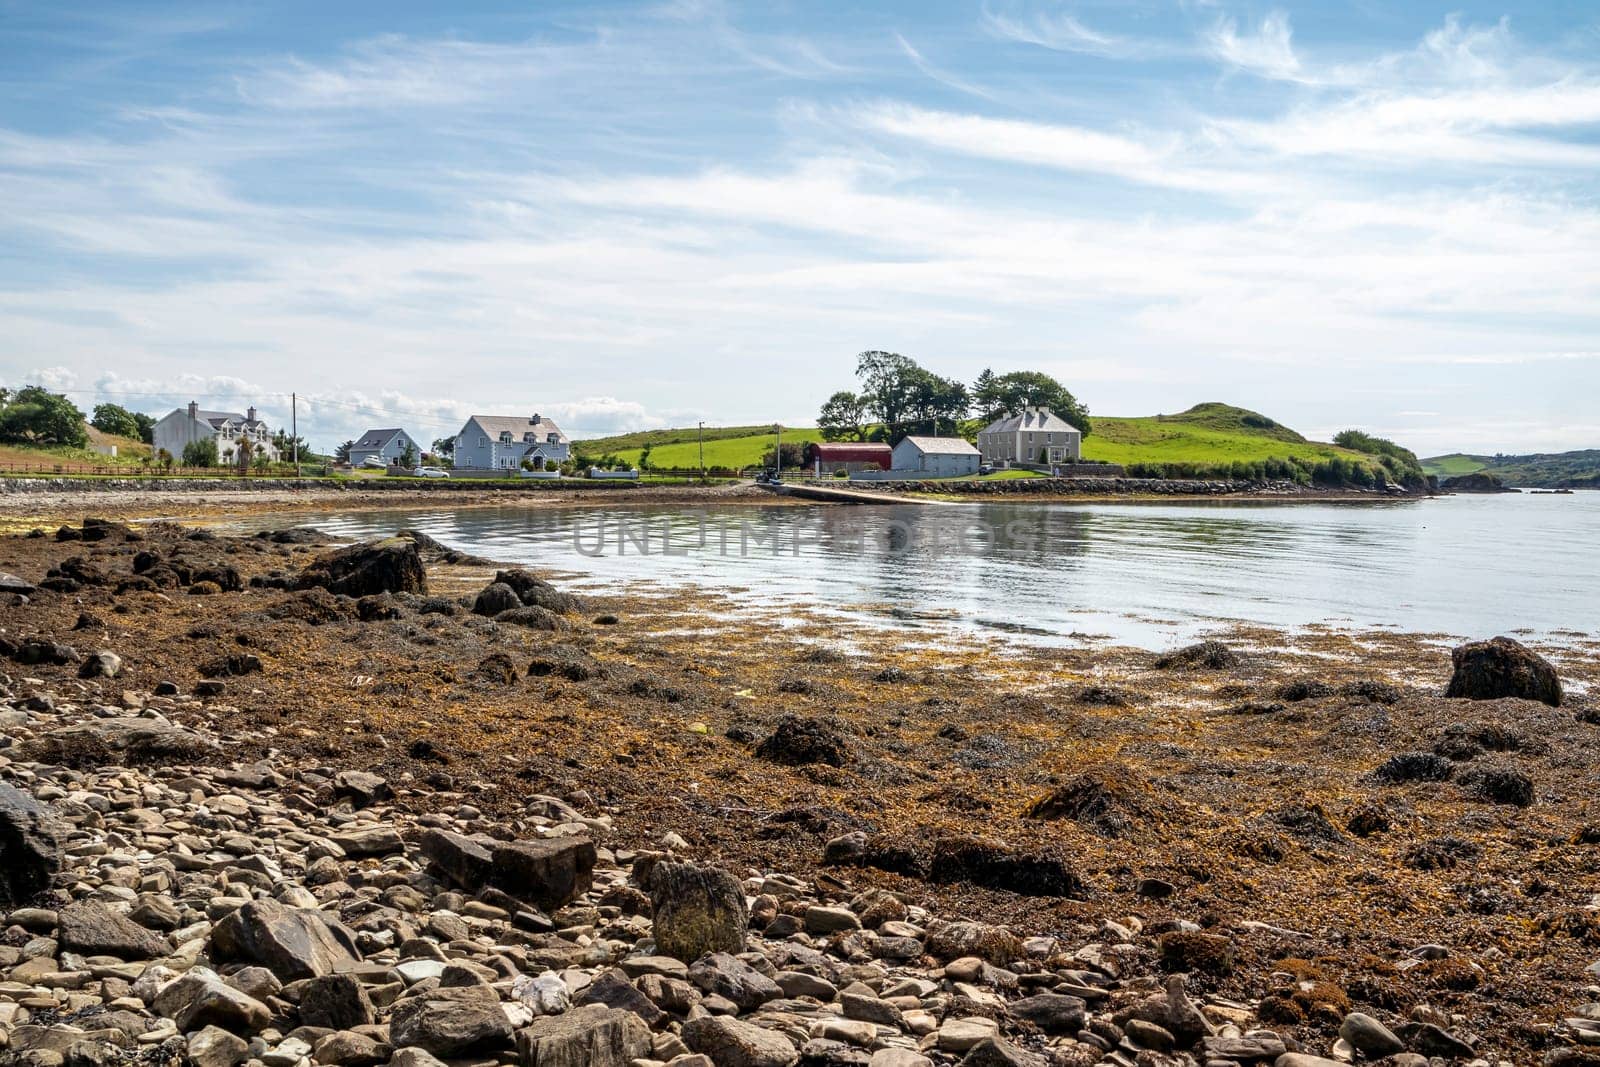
(1142, 574)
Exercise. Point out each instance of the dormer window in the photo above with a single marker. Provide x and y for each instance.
(554, 439)
(528, 438)
(505, 437)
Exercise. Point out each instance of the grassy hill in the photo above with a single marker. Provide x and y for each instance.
(1544, 470)
(726, 446)
(1207, 434)
(130, 454)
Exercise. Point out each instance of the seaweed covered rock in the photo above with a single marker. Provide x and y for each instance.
(389, 566)
(535, 592)
(496, 598)
(120, 739)
(1206, 655)
(1107, 800)
(993, 864)
(697, 910)
(801, 740)
(1501, 667)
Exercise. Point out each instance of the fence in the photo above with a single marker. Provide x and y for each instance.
(156, 470)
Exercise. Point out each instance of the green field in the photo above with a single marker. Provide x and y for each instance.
(1454, 464)
(1205, 434)
(726, 446)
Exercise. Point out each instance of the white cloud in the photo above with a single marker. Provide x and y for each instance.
(1062, 32)
(1267, 51)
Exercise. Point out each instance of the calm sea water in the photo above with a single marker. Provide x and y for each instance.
(1140, 574)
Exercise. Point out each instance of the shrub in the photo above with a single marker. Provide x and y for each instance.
(201, 453)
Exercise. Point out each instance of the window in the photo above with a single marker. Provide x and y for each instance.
(483, 442)
(505, 437)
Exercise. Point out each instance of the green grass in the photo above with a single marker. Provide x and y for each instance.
(727, 446)
(1206, 434)
(1008, 475)
(1455, 464)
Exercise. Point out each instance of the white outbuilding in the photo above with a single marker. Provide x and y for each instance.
(935, 457)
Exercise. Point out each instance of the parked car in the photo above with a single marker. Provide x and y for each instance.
(377, 462)
(987, 468)
(429, 472)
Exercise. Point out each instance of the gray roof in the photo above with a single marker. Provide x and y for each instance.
(516, 425)
(941, 446)
(217, 418)
(377, 438)
(1032, 419)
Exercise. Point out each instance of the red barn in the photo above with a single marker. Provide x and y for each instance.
(829, 456)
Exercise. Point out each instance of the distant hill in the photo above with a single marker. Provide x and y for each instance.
(1545, 470)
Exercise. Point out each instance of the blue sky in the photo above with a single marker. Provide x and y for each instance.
(634, 215)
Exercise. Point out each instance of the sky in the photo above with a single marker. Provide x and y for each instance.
(626, 216)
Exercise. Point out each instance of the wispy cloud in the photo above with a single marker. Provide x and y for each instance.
(1268, 50)
(1063, 32)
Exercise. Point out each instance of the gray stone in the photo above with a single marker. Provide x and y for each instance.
(370, 841)
(725, 975)
(697, 910)
(93, 929)
(548, 872)
(30, 852)
(336, 1002)
(450, 1021)
(215, 1047)
(590, 1036)
(292, 943)
(735, 1043)
(1054, 1013)
(465, 862)
(1370, 1037)
(993, 1052)
(101, 664)
(825, 920)
(198, 1000)
(613, 990)
(348, 1049)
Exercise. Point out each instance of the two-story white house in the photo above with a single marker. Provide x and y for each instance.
(1034, 435)
(228, 428)
(502, 442)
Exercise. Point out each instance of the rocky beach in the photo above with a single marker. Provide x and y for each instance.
(274, 801)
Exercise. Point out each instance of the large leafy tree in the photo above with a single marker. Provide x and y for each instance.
(937, 403)
(889, 383)
(201, 453)
(116, 419)
(997, 395)
(445, 446)
(843, 417)
(342, 453)
(34, 415)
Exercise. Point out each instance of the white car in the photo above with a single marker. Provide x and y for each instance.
(429, 472)
(376, 462)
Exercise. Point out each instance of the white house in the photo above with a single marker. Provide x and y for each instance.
(227, 428)
(1035, 435)
(502, 442)
(935, 457)
(387, 445)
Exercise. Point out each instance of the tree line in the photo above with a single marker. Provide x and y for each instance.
(898, 397)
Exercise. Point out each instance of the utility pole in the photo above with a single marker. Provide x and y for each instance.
(777, 451)
(702, 451)
(294, 431)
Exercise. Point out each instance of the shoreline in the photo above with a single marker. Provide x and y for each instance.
(1207, 778)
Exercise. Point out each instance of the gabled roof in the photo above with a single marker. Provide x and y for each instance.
(377, 438)
(941, 446)
(516, 425)
(1032, 419)
(218, 419)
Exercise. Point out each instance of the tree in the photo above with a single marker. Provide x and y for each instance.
(164, 458)
(793, 455)
(843, 417)
(147, 427)
(243, 454)
(201, 453)
(286, 444)
(1009, 393)
(445, 446)
(408, 458)
(342, 453)
(888, 387)
(33, 415)
(936, 400)
(116, 419)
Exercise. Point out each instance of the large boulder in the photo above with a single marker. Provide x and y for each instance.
(92, 929)
(1501, 667)
(124, 740)
(450, 1021)
(496, 598)
(30, 852)
(335, 1002)
(292, 943)
(735, 1043)
(548, 871)
(589, 1036)
(200, 999)
(730, 977)
(389, 566)
(953, 941)
(698, 910)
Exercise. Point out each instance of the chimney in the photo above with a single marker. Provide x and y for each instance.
(535, 420)
(250, 414)
(194, 410)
